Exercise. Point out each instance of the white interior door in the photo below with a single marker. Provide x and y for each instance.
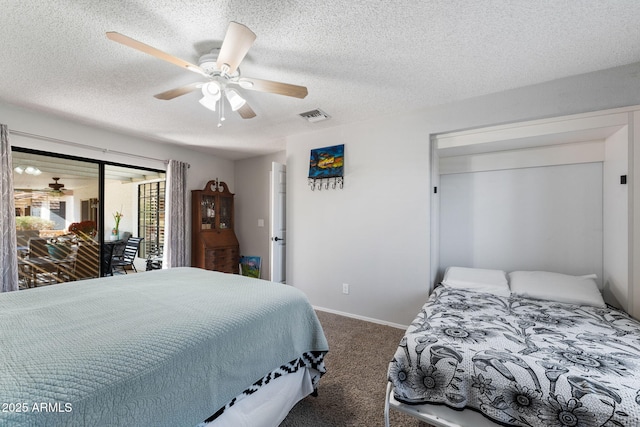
(278, 223)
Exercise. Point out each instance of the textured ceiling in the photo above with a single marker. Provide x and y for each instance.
(358, 59)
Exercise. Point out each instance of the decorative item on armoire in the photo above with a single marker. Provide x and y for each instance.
(214, 245)
(326, 167)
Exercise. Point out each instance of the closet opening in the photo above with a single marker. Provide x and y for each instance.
(542, 195)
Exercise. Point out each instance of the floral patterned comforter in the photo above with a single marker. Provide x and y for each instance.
(521, 362)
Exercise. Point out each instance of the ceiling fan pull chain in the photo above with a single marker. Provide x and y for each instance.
(222, 119)
(221, 106)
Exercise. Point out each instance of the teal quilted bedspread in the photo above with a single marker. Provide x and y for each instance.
(161, 348)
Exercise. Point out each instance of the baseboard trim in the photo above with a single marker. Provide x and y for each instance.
(366, 319)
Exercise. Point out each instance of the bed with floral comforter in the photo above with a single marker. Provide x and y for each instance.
(521, 362)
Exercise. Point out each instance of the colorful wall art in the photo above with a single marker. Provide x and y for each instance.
(327, 162)
(250, 266)
(326, 167)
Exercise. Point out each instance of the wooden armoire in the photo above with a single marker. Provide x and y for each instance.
(214, 245)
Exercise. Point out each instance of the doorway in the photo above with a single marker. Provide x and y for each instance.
(278, 226)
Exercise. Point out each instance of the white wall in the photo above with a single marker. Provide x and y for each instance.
(203, 167)
(542, 218)
(252, 203)
(79, 194)
(366, 234)
(121, 197)
(374, 234)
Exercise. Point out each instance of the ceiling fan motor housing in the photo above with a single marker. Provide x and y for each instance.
(208, 62)
(56, 185)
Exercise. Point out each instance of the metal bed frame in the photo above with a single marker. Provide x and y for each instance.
(436, 415)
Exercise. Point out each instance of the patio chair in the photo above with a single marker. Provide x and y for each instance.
(125, 261)
(85, 263)
(41, 269)
(154, 257)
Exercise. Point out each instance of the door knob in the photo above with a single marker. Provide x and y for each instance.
(276, 239)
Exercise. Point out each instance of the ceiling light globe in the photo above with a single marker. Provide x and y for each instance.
(235, 100)
(209, 103)
(211, 90)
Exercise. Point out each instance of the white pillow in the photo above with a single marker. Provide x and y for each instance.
(477, 279)
(557, 287)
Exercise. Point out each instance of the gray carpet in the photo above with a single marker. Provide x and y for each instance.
(352, 392)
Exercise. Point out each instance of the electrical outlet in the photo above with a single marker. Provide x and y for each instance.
(345, 288)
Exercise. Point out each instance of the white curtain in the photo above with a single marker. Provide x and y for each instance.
(175, 231)
(8, 249)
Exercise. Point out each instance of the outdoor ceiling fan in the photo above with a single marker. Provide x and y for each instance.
(221, 71)
(56, 187)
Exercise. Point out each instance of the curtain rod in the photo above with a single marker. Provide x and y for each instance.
(91, 147)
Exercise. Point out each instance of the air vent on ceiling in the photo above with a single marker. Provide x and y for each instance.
(316, 115)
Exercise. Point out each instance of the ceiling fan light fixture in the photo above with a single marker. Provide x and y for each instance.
(56, 188)
(34, 171)
(235, 100)
(30, 170)
(211, 94)
(211, 90)
(209, 103)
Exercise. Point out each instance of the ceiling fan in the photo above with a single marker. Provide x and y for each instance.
(56, 188)
(221, 71)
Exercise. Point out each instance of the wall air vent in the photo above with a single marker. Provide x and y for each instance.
(316, 115)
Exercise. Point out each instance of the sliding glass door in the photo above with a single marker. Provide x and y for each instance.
(73, 214)
(56, 218)
(132, 209)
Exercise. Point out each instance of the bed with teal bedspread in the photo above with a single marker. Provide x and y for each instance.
(162, 348)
